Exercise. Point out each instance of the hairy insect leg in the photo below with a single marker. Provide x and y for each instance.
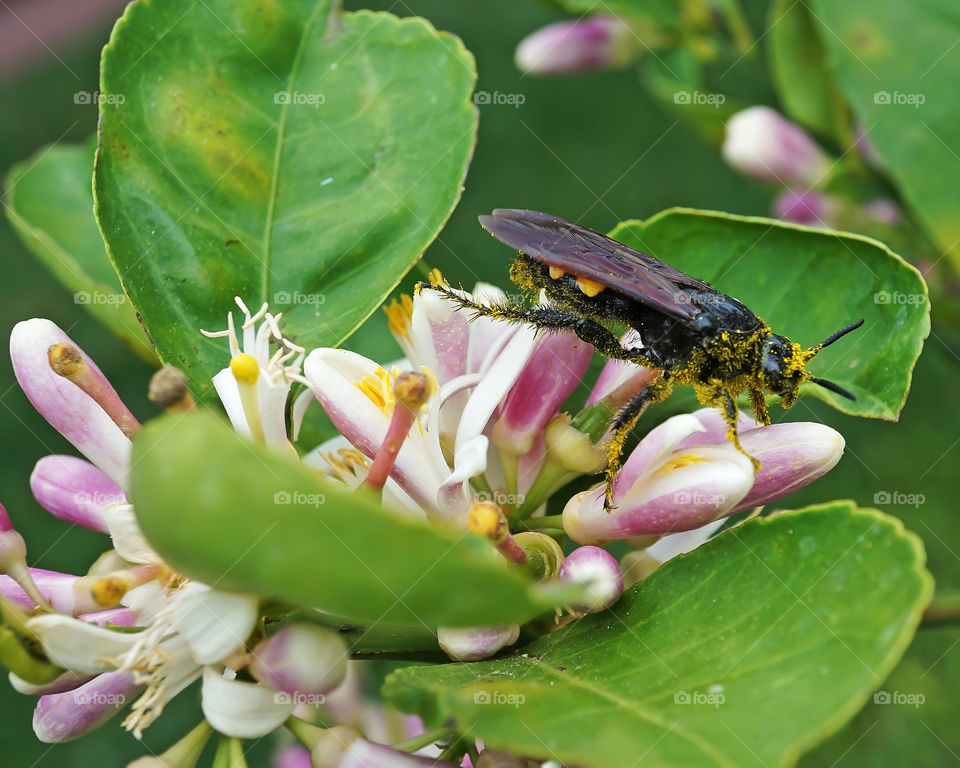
(759, 403)
(625, 421)
(728, 407)
(552, 319)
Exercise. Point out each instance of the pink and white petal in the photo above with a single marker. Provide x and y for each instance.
(439, 335)
(56, 587)
(128, 540)
(715, 428)
(66, 716)
(66, 407)
(453, 497)
(74, 490)
(653, 449)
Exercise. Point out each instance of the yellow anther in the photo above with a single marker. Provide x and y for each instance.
(436, 278)
(398, 315)
(677, 462)
(556, 273)
(589, 287)
(486, 519)
(109, 590)
(245, 368)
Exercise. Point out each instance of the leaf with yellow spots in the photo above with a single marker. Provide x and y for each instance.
(282, 151)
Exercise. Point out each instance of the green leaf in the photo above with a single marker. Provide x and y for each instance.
(283, 152)
(798, 66)
(51, 208)
(748, 651)
(238, 517)
(887, 56)
(782, 271)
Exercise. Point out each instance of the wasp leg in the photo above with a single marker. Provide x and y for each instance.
(551, 319)
(728, 406)
(759, 403)
(623, 422)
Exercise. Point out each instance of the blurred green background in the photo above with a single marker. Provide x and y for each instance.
(595, 149)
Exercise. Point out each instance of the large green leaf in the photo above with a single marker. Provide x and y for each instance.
(280, 151)
(748, 651)
(896, 63)
(806, 283)
(231, 514)
(798, 66)
(51, 208)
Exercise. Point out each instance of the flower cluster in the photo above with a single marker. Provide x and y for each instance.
(468, 430)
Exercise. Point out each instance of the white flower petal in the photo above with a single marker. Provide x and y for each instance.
(128, 539)
(214, 624)
(77, 645)
(470, 460)
(242, 710)
(226, 385)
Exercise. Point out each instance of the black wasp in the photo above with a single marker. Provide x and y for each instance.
(691, 332)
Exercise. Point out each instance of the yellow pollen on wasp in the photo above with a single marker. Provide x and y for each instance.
(677, 462)
(245, 368)
(398, 315)
(589, 287)
(556, 273)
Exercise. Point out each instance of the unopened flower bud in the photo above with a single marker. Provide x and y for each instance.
(804, 207)
(66, 716)
(571, 448)
(476, 643)
(763, 144)
(301, 659)
(598, 571)
(568, 47)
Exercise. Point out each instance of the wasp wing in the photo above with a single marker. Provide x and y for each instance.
(586, 253)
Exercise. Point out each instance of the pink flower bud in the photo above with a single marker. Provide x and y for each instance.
(568, 47)
(477, 643)
(301, 659)
(68, 408)
(598, 571)
(763, 144)
(74, 490)
(62, 717)
(804, 207)
(884, 211)
(549, 377)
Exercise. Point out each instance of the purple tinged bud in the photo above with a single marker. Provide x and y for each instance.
(552, 373)
(5, 523)
(62, 717)
(476, 643)
(68, 681)
(598, 571)
(763, 144)
(301, 659)
(292, 756)
(66, 407)
(791, 456)
(884, 211)
(74, 490)
(366, 754)
(569, 47)
(804, 207)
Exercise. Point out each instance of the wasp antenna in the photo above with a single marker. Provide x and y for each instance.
(841, 333)
(834, 387)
